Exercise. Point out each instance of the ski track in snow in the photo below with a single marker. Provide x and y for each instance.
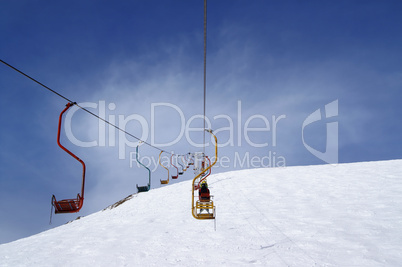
(344, 215)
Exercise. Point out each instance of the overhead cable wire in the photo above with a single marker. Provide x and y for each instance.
(86, 110)
(205, 68)
(41, 84)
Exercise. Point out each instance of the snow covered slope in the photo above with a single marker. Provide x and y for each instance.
(345, 215)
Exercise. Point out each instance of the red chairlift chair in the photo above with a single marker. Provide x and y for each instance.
(75, 204)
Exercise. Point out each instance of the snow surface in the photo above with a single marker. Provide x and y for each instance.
(344, 215)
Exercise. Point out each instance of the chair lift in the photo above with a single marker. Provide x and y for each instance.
(177, 169)
(191, 159)
(69, 205)
(163, 181)
(185, 162)
(201, 205)
(144, 188)
(181, 165)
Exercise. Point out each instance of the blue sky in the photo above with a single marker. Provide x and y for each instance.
(144, 59)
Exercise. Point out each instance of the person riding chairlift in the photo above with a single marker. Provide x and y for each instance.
(203, 192)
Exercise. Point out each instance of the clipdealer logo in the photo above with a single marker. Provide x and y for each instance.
(330, 155)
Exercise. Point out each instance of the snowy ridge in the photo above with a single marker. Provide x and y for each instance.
(344, 215)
